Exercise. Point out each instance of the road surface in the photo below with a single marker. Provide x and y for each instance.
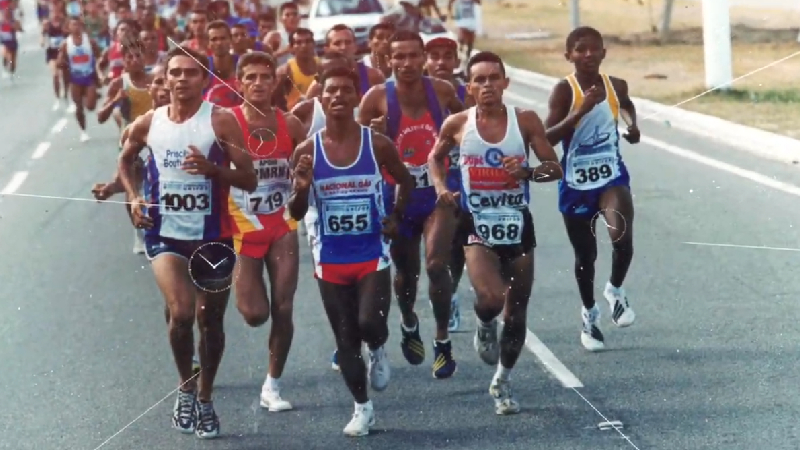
(709, 364)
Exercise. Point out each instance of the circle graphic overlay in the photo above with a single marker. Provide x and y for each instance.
(265, 140)
(602, 228)
(212, 267)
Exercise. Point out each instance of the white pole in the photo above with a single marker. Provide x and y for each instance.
(574, 14)
(717, 43)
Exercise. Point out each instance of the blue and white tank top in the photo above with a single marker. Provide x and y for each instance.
(350, 206)
(80, 57)
(591, 155)
(185, 207)
(494, 198)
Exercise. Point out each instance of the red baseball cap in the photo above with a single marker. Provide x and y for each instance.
(441, 42)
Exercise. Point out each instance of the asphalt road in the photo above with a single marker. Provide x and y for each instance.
(708, 365)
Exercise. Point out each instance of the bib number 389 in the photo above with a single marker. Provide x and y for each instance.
(499, 228)
(185, 197)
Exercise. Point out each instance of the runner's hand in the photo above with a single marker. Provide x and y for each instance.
(515, 168)
(633, 135)
(303, 173)
(140, 219)
(102, 191)
(447, 199)
(378, 124)
(593, 96)
(390, 226)
(197, 164)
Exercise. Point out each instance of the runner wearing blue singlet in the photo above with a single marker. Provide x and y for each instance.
(79, 53)
(342, 165)
(192, 144)
(584, 113)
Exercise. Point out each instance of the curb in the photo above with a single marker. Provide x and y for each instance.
(753, 140)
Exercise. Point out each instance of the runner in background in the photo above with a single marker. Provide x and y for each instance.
(9, 27)
(180, 19)
(241, 42)
(150, 20)
(378, 57)
(198, 37)
(152, 55)
(268, 39)
(289, 15)
(302, 68)
(464, 15)
(53, 34)
(222, 87)
(78, 54)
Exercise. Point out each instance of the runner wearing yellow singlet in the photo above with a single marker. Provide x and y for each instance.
(302, 69)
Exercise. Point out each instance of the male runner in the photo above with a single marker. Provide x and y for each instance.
(269, 39)
(192, 144)
(411, 109)
(265, 235)
(289, 14)
(222, 65)
(442, 61)
(53, 35)
(465, 16)
(150, 20)
(198, 22)
(9, 27)
(378, 57)
(351, 257)
(584, 111)
(494, 140)
(241, 42)
(78, 53)
(302, 68)
(152, 55)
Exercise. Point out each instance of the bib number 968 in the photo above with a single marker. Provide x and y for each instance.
(499, 233)
(593, 174)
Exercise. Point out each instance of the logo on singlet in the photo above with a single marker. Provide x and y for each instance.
(494, 157)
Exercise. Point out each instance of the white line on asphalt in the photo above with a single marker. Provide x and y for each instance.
(756, 247)
(15, 183)
(40, 150)
(551, 363)
(62, 122)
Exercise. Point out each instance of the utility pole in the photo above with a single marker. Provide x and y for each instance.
(717, 43)
(666, 20)
(574, 14)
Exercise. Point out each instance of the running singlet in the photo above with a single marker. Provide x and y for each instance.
(187, 207)
(194, 44)
(115, 61)
(258, 210)
(350, 204)
(300, 84)
(495, 199)
(591, 156)
(81, 61)
(95, 27)
(223, 93)
(74, 9)
(55, 36)
(148, 69)
(137, 101)
(8, 32)
(453, 171)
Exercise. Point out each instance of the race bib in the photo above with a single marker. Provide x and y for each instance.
(268, 198)
(452, 159)
(347, 217)
(421, 177)
(592, 172)
(499, 228)
(185, 197)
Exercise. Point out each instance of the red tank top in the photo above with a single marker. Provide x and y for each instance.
(223, 94)
(194, 44)
(115, 61)
(414, 141)
(281, 147)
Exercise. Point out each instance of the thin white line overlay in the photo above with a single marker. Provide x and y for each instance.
(754, 247)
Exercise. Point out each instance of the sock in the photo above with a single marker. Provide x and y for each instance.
(502, 373)
(271, 383)
(445, 341)
(364, 406)
(411, 329)
(613, 289)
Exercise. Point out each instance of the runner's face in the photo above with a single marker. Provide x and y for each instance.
(241, 40)
(290, 18)
(149, 41)
(343, 42)
(303, 44)
(123, 30)
(133, 61)
(265, 26)
(198, 24)
(124, 14)
(339, 97)
(441, 62)
(407, 60)
(75, 27)
(487, 83)
(379, 44)
(587, 54)
(257, 82)
(158, 87)
(219, 41)
(185, 78)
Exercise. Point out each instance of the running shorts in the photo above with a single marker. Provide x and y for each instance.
(506, 253)
(202, 273)
(11, 46)
(586, 203)
(50, 54)
(349, 274)
(256, 244)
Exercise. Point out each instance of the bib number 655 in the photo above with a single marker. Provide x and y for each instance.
(347, 223)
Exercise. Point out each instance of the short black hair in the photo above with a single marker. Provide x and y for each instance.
(388, 26)
(267, 16)
(406, 36)
(485, 57)
(300, 31)
(338, 27)
(218, 24)
(134, 25)
(288, 5)
(255, 58)
(582, 32)
(343, 72)
(199, 58)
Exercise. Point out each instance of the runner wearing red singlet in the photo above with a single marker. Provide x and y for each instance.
(264, 233)
(197, 29)
(222, 88)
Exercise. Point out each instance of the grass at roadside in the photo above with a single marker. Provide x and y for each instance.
(670, 73)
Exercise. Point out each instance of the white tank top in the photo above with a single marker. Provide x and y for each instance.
(317, 119)
(81, 57)
(495, 199)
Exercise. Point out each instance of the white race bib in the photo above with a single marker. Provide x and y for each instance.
(268, 198)
(590, 172)
(347, 217)
(499, 228)
(185, 197)
(421, 176)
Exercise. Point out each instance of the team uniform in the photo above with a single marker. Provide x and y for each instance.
(8, 36)
(137, 101)
(55, 37)
(261, 218)
(496, 203)
(349, 244)
(115, 60)
(81, 62)
(223, 92)
(189, 210)
(148, 68)
(592, 162)
(300, 84)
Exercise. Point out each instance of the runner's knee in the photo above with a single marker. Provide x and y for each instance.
(490, 303)
(282, 310)
(254, 314)
(373, 330)
(623, 246)
(437, 269)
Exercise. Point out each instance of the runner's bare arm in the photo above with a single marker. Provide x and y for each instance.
(96, 50)
(231, 138)
(45, 27)
(449, 138)
(296, 128)
(314, 90)
(298, 201)
(18, 26)
(375, 76)
(102, 61)
(61, 60)
(136, 141)
(373, 105)
(114, 90)
(447, 96)
(534, 134)
(388, 157)
(304, 111)
(560, 122)
(627, 109)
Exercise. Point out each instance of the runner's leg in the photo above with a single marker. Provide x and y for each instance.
(484, 271)
(617, 206)
(406, 258)
(580, 230)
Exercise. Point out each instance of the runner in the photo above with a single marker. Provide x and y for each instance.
(464, 14)
(9, 27)
(494, 141)
(96, 25)
(197, 27)
(410, 110)
(152, 55)
(584, 111)
(53, 35)
(301, 69)
(269, 39)
(289, 14)
(222, 89)
(343, 164)
(151, 21)
(125, 31)
(181, 18)
(78, 53)
(192, 144)
(378, 57)
(241, 43)
(265, 235)
(442, 61)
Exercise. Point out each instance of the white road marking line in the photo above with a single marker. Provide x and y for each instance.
(551, 363)
(40, 150)
(62, 122)
(15, 183)
(756, 247)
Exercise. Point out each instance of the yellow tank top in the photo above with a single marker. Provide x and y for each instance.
(139, 100)
(300, 81)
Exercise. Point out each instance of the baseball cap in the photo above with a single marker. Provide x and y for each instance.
(441, 41)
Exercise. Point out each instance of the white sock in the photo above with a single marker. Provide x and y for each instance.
(443, 341)
(271, 383)
(502, 373)
(611, 288)
(364, 406)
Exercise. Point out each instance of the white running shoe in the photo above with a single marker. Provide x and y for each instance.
(379, 369)
(72, 108)
(56, 105)
(455, 315)
(84, 136)
(363, 419)
(138, 242)
(271, 400)
(486, 342)
(591, 336)
(504, 401)
(621, 312)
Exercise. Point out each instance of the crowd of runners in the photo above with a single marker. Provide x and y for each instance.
(234, 133)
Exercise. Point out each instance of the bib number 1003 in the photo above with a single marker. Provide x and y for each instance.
(593, 174)
(185, 202)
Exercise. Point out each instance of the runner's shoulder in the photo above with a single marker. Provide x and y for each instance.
(140, 127)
